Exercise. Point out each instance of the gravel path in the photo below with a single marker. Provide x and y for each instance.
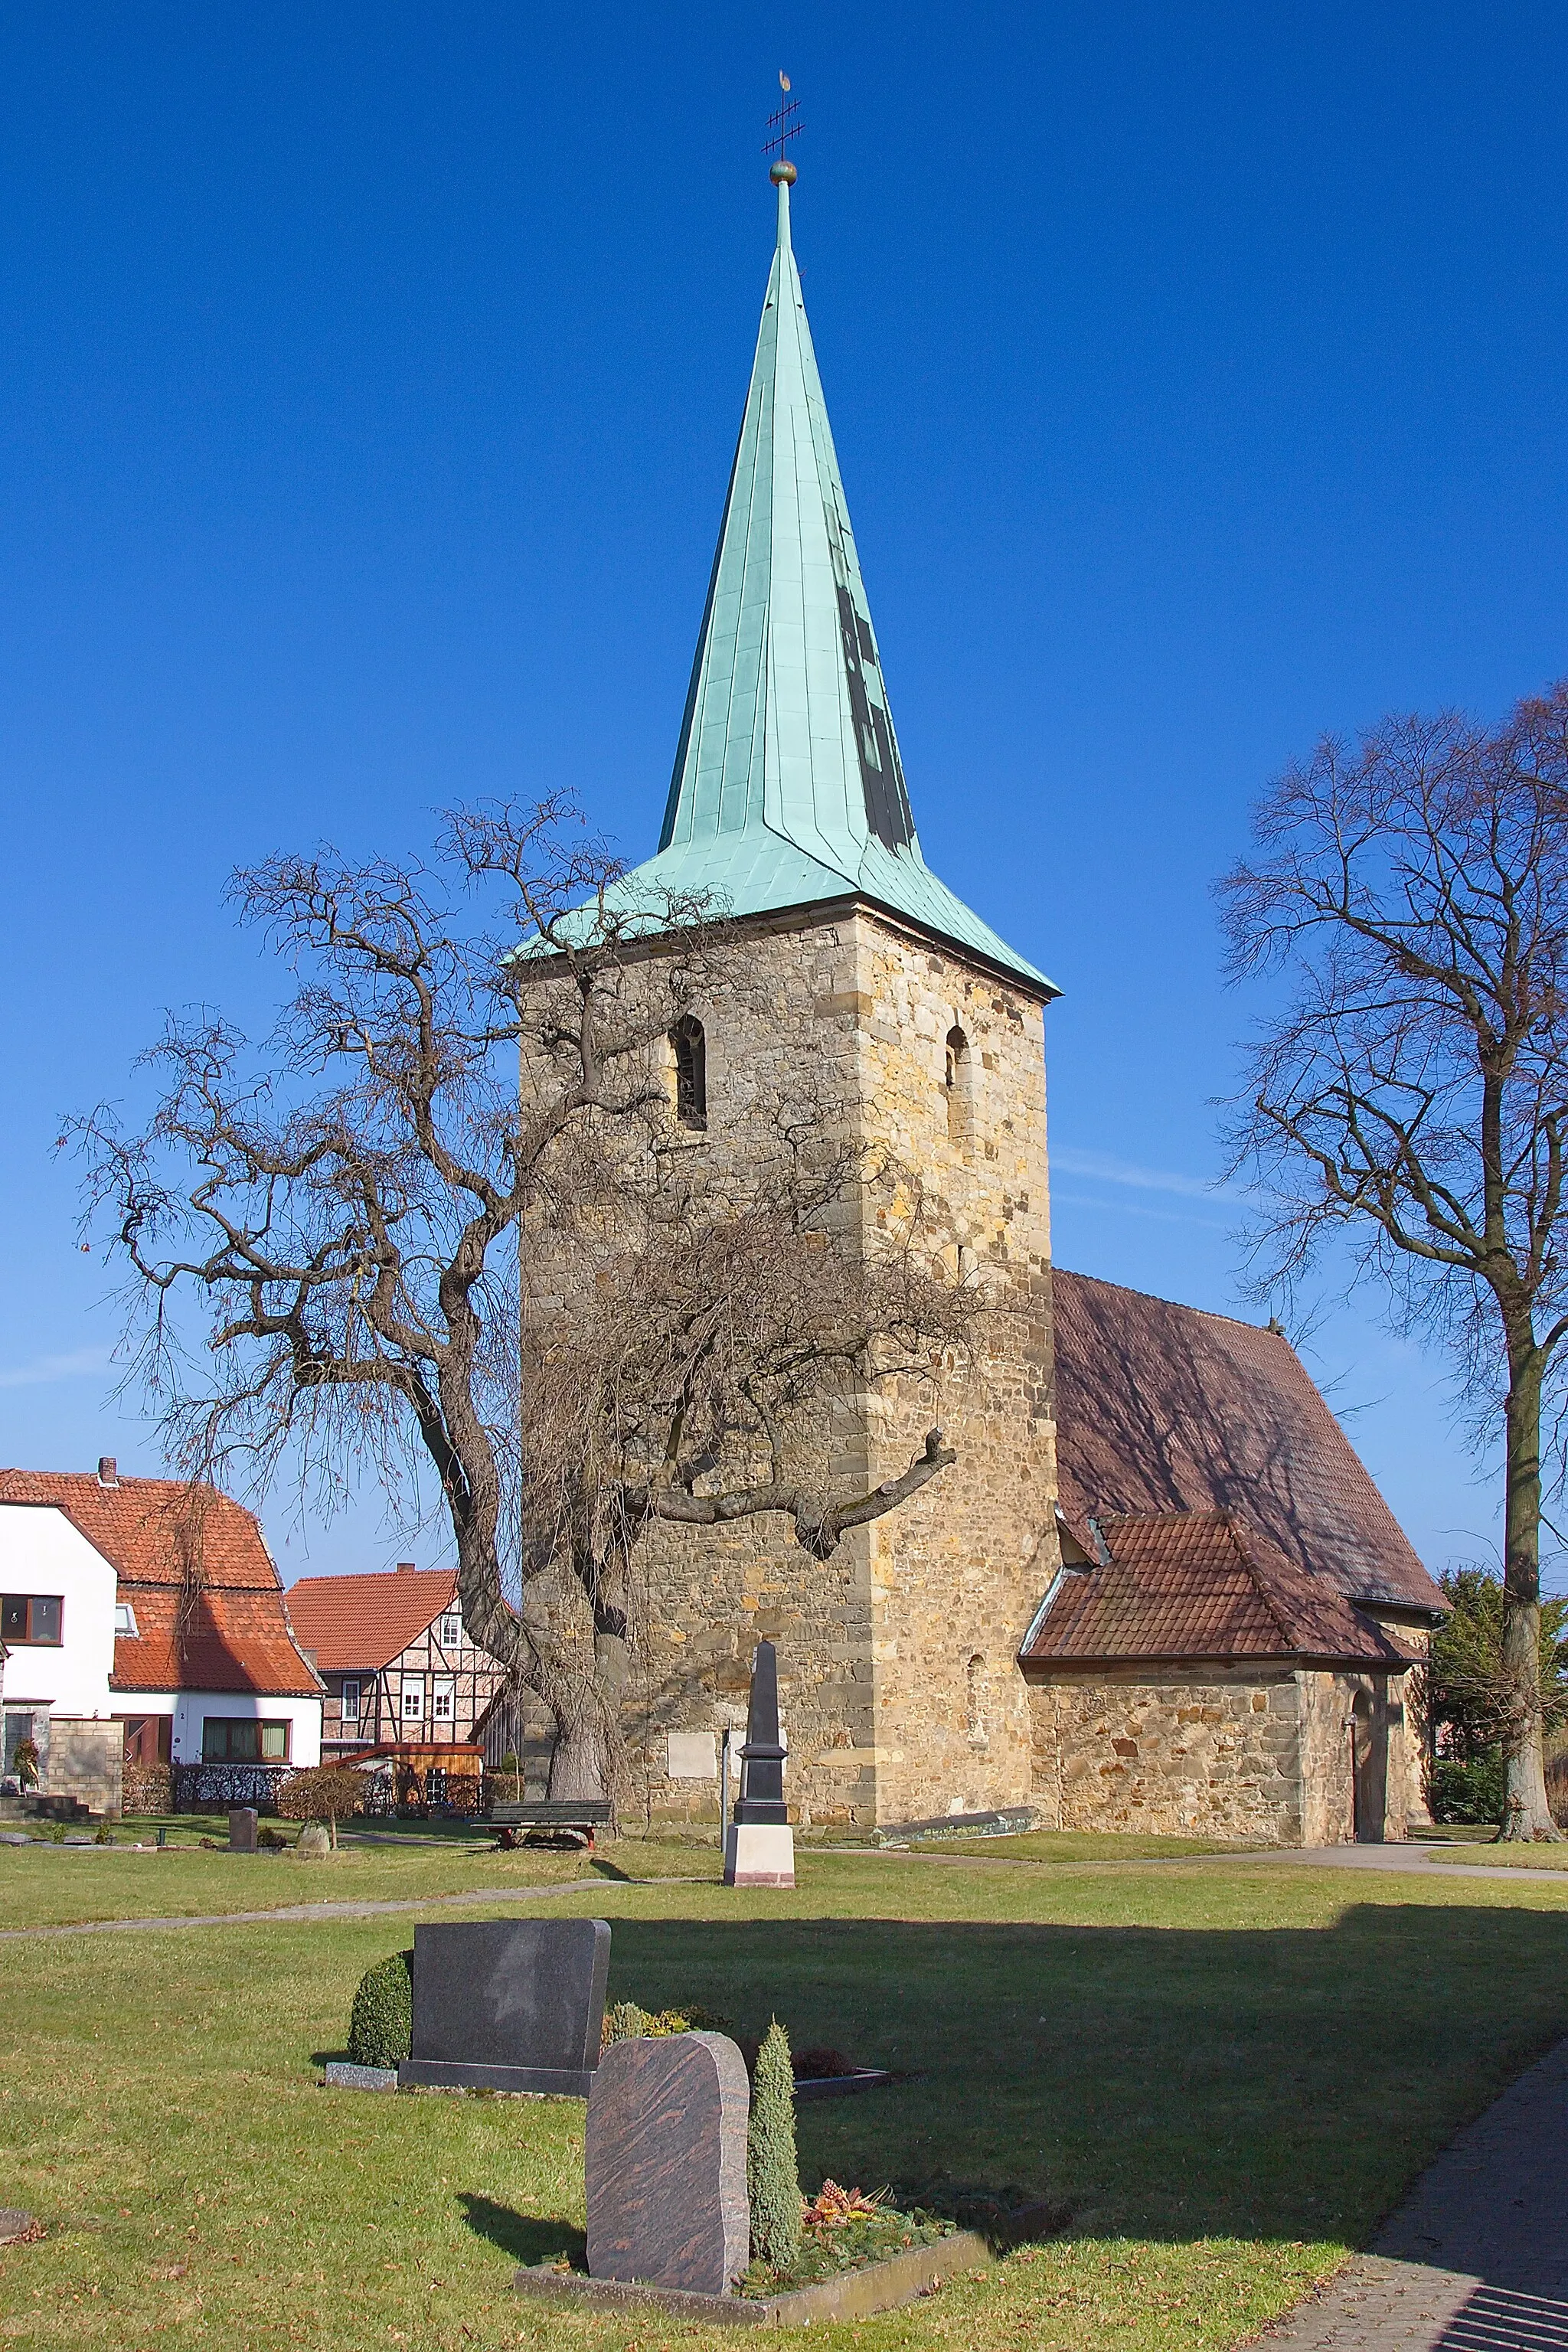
(333, 1910)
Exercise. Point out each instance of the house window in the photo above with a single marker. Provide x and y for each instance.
(125, 1619)
(441, 1699)
(690, 1046)
(350, 1704)
(449, 1631)
(30, 1617)
(241, 1740)
(414, 1702)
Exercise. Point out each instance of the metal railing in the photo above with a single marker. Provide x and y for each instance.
(194, 1788)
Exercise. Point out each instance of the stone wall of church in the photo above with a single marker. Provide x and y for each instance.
(1202, 1752)
(1241, 1752)
(898, 1667)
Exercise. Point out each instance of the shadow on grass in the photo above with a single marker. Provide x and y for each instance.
(604, 1869)
(520, 2235)
(1283, 2083)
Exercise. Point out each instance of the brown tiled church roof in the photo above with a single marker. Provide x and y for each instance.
(206, 1599)
(356, 1624)
(1227, 1512)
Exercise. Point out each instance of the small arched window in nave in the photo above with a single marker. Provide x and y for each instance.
(690, 1045)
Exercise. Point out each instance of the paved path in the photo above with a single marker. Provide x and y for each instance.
(1416, 1859)
(1476, 2259)
(333, 1910)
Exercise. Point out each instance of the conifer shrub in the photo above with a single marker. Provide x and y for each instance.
(773, 2172)
(381, 2025)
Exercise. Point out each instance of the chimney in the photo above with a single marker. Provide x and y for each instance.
(405, 1568)
(108, 1470)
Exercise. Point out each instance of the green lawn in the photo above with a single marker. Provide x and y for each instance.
(1223, 2077)
(42, 1885)
(1076, 1845)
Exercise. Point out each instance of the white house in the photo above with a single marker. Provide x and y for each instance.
(143, 1622)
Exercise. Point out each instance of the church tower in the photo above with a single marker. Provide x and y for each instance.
(897, 1658)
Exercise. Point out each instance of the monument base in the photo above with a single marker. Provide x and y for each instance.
(759, 1853)
(449, 2074)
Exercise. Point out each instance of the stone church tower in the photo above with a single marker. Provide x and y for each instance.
(901, 1691)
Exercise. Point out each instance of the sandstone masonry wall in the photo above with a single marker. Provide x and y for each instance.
(1203, 1752)
(898, 1681)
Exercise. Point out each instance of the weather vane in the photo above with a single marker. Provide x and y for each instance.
(784, 126)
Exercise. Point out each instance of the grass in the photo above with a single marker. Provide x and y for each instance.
(1516, 1857)
(1224, 2077)
(1075, 1845)
(44, 1885)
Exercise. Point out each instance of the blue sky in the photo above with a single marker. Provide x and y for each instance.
(368, 381)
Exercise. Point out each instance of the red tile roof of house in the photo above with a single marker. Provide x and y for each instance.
(356, 1624)
(207, 1600)
(1238, 1519)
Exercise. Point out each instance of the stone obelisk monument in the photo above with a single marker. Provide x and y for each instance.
(759, 1845)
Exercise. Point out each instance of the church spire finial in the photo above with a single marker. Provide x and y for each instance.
(785, 124)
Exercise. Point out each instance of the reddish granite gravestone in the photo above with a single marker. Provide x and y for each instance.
(666, 2163)
(242, 1822)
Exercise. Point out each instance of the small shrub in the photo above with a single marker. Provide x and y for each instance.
(773, 2171)
(1474, 1792)
(147, 1788)
(624, 2021)
(271, 1840)
(381, 2025)
(322, 1793)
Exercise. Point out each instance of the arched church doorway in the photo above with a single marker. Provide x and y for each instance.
(1369, 1768)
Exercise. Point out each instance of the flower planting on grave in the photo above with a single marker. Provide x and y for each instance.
(381, 2027)
(843, 2230)
(623, 2019)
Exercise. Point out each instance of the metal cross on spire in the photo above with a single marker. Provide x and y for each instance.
(784, 125)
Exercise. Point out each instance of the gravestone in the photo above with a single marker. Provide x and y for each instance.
(759, 1845)
(510, 2005)
(666, 2163)
(242, 1822)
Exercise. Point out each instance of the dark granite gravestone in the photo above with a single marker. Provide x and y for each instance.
(509, 2005)
(666, 2163)
(242, 1829)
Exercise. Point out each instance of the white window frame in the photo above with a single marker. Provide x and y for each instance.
(443, 1687)
(413, 1688)
(449, 1630)
(125, 1620)
(348, 1714)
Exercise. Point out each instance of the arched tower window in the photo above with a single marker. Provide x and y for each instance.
(690, 1046)
(959, 1071)
(974, 1696)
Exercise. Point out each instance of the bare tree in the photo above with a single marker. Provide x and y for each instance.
(355, 1206)
(1410, 1093)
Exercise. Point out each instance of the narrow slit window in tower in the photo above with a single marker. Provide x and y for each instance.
(959, 1073)
(691, 1049)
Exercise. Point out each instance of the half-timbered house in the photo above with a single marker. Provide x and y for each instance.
(399, 1669)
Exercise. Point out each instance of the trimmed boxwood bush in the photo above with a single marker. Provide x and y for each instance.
(380, 2028)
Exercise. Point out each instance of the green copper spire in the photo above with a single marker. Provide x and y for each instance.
(788, 789)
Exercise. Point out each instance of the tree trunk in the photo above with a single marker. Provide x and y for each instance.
(583, 1763)
(1526, 1814)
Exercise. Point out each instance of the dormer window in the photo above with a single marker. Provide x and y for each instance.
(690, 1046)
(125, 1620)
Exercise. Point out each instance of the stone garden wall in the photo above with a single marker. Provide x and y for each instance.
(86, 1760)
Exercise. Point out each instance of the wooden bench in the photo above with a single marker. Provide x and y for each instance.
(549, 1817)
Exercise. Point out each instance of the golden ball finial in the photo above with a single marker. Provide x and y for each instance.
(783, 173)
